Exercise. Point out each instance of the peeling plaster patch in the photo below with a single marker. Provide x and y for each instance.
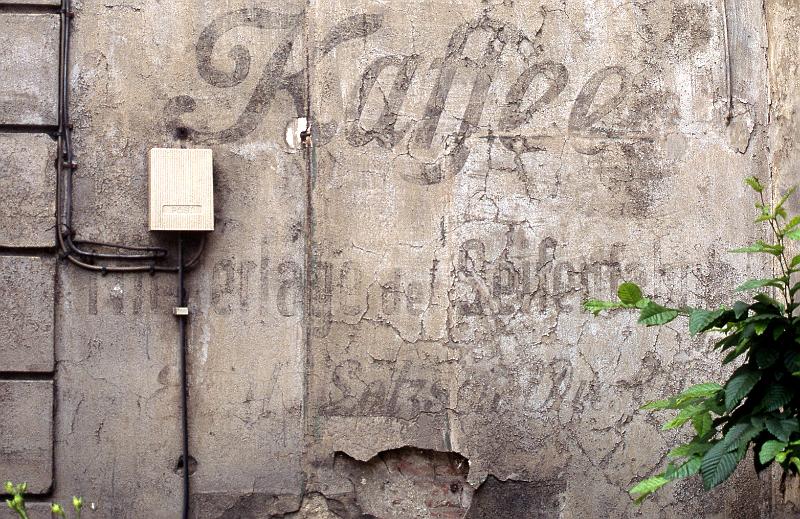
(407, 482)
(790, 489)
(740, 131)
(512, 499)
(252, 505)
(316, 506)
(426, 484)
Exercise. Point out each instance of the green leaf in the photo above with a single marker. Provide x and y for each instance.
(692, 448)
(654, 314)
(794, 222)
(782, 428)
(702, 423)
(595, 306)
(769, 450)
(740, 309)
(783, 199)
(681, 451)
(686, 397)
(761, 246)
(740, 438)
(754, 183)
(769, 301)
(702, 320)
(776, 396)
(683, 416)
(766, 356)
(742, 347)
(795, 260)
(739, 385)
(761, 327)
(660, 404)
(704, 390)
(685, 470)
(759, 283)
(727, 342)
(717, 465)
(777, 331)
(740, 434)
(647, 487)
(761, 317)
(629, 293)
(793, 235)
(792, 361)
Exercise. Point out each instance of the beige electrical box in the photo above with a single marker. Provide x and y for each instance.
(181, 190)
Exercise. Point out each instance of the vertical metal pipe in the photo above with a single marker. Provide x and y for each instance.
(184, 381)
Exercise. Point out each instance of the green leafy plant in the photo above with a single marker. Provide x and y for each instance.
(17, 502)
(759, 405)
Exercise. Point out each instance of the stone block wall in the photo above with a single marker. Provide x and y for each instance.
(385, 323)
(29, 47)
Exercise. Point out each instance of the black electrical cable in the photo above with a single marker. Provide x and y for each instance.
(184, 382)
(66, 160)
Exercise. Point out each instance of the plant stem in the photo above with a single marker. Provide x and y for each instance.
(786, 274)
(782, 261)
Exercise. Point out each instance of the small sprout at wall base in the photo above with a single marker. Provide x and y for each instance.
(758, 407)
(17, 502)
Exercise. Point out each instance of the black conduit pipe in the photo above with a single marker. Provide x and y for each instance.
(182, 317)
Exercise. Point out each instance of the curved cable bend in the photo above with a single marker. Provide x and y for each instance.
(65, 166)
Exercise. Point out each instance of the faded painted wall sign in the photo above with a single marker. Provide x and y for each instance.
(399, 303)
(384, 122)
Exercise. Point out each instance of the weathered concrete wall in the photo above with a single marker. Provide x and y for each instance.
(488, 170)
(386, 323)
(783, 22)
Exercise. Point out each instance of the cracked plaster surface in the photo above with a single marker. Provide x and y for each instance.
(406, 292)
